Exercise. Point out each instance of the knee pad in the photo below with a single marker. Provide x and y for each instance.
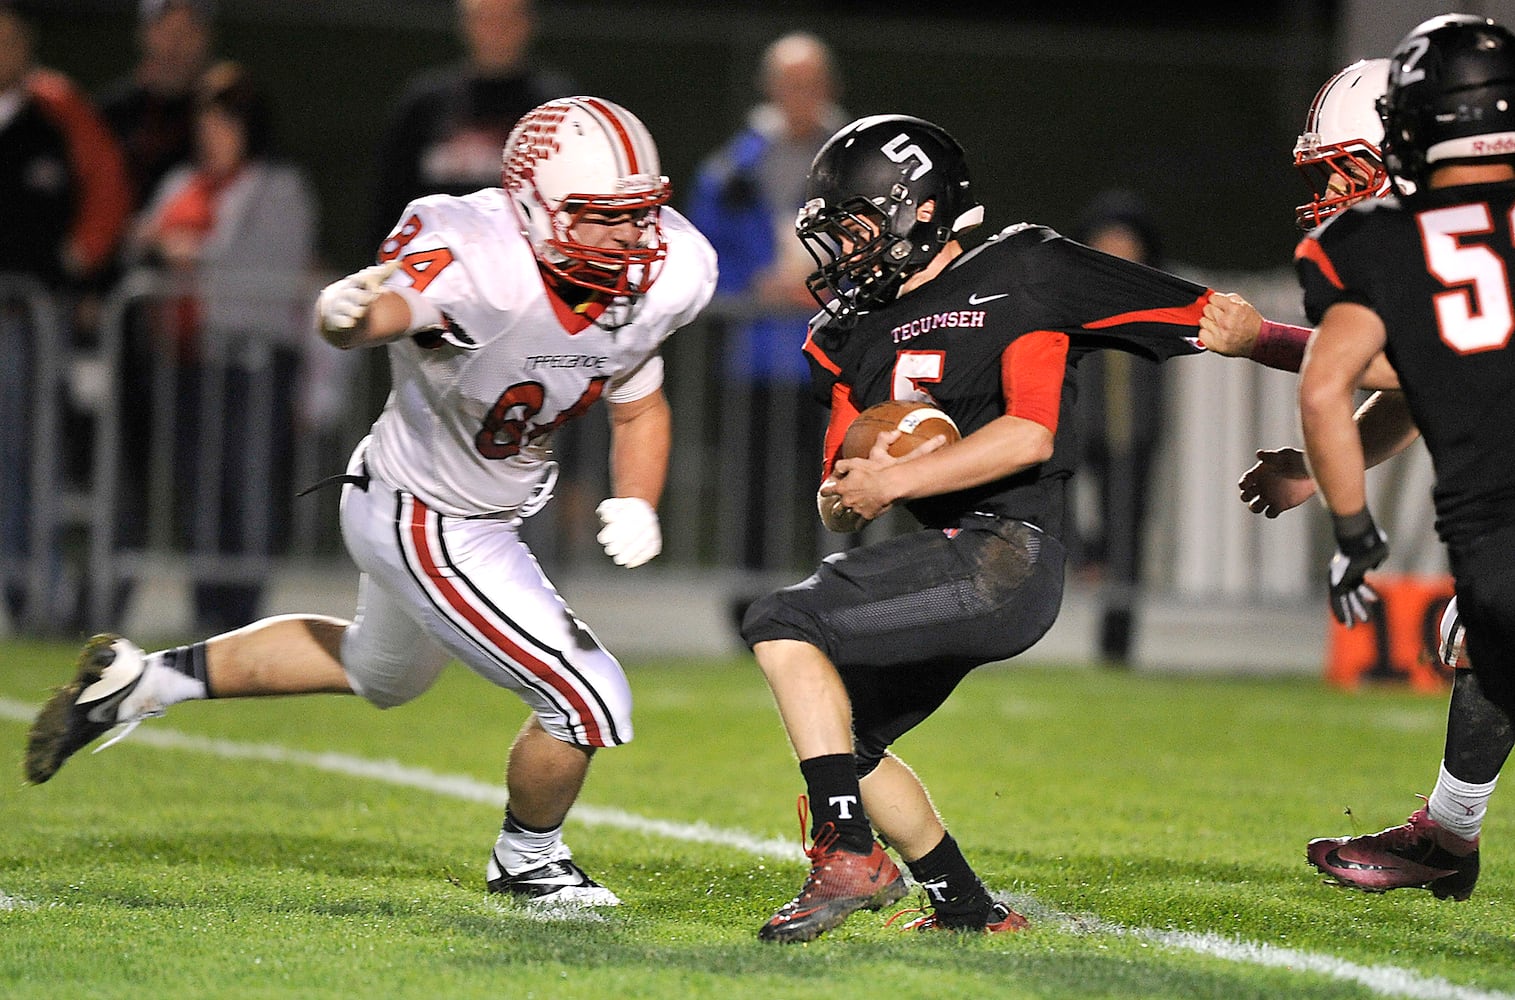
(1451, 648)
(774, 617)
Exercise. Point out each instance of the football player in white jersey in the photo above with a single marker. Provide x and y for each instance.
(506, 313)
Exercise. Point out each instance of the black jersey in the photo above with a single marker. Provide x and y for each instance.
(998, 332)
(1436, 269)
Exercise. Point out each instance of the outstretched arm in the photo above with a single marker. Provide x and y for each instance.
(361, 311)
(1232, 326)
(1280, 481)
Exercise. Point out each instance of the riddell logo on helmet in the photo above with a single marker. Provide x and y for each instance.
(1499, 146)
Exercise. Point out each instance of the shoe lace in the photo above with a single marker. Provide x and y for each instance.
(125, 729)
(825, 837)
(926, 919)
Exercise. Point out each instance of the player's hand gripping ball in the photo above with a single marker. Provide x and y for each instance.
(917, 423)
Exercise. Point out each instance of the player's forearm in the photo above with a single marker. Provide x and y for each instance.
(1385, 426)
(1280, 345)
(1001, 448)
(388, 318)
(1333, 448)
(641, 439)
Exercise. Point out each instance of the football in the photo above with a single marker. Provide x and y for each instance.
(919, 422)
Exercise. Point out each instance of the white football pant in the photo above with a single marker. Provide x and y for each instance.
(435, 587)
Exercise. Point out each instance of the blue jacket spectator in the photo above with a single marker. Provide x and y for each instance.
(747, 194)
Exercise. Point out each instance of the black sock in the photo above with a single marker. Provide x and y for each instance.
(1479, 732)
(189, 661)
(835, 798)
(513, 824)
(955, 892)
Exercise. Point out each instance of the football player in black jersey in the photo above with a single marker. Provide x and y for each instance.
(1425, 279)
(1341, 148)
(874, 641)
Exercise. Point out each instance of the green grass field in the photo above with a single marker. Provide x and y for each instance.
(1152, 827)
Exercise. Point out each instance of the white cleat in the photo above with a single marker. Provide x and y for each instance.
(555, 882)
(87, 707)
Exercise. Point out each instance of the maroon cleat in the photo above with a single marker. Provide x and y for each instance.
(1418, 854)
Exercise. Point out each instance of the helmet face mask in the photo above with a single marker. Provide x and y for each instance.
(1339, 153)
(884, 196)
(1451, 96)
(577, 171)
(860, 260)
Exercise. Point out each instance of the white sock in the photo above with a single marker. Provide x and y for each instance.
(522, 850)
(1459, 806)
(160, 687)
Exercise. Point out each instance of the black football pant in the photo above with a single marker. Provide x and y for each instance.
(904, 620)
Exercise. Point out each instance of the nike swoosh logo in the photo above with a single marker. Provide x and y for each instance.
(879, 870)
(976, 299)
(1335, 860)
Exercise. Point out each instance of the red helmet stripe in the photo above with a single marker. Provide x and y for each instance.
(611, 119)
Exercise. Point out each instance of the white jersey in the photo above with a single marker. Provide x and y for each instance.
(468, 424)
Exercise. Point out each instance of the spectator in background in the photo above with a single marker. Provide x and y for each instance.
(1120, 418)
(234, 232)
(38, 188)
(745, 199)
(103, 201)
(102, 209)
(152, 111)
(445, 132)
(37, 177)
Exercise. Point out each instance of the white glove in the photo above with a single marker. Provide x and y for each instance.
(631, 535)
(343, 303)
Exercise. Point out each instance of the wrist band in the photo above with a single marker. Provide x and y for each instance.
(424, 313)
(1352, 529)
(1280, 345)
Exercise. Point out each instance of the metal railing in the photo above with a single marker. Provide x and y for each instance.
(33, 342)
(161, 468)
(140, 447)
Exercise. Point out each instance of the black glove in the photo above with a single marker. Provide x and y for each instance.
(1360, 546)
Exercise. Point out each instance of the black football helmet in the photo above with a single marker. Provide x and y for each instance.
(1451, 96)
(884, 195)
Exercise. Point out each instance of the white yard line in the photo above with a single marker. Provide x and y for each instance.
(1385, 980)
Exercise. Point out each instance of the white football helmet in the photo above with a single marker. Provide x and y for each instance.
(580, 155)
(1340, 151)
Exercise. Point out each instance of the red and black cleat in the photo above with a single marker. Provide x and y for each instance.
(839, 884)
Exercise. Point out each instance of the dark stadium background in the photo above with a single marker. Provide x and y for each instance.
(1195, 105)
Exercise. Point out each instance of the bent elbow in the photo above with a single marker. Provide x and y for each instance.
(1041, 446)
